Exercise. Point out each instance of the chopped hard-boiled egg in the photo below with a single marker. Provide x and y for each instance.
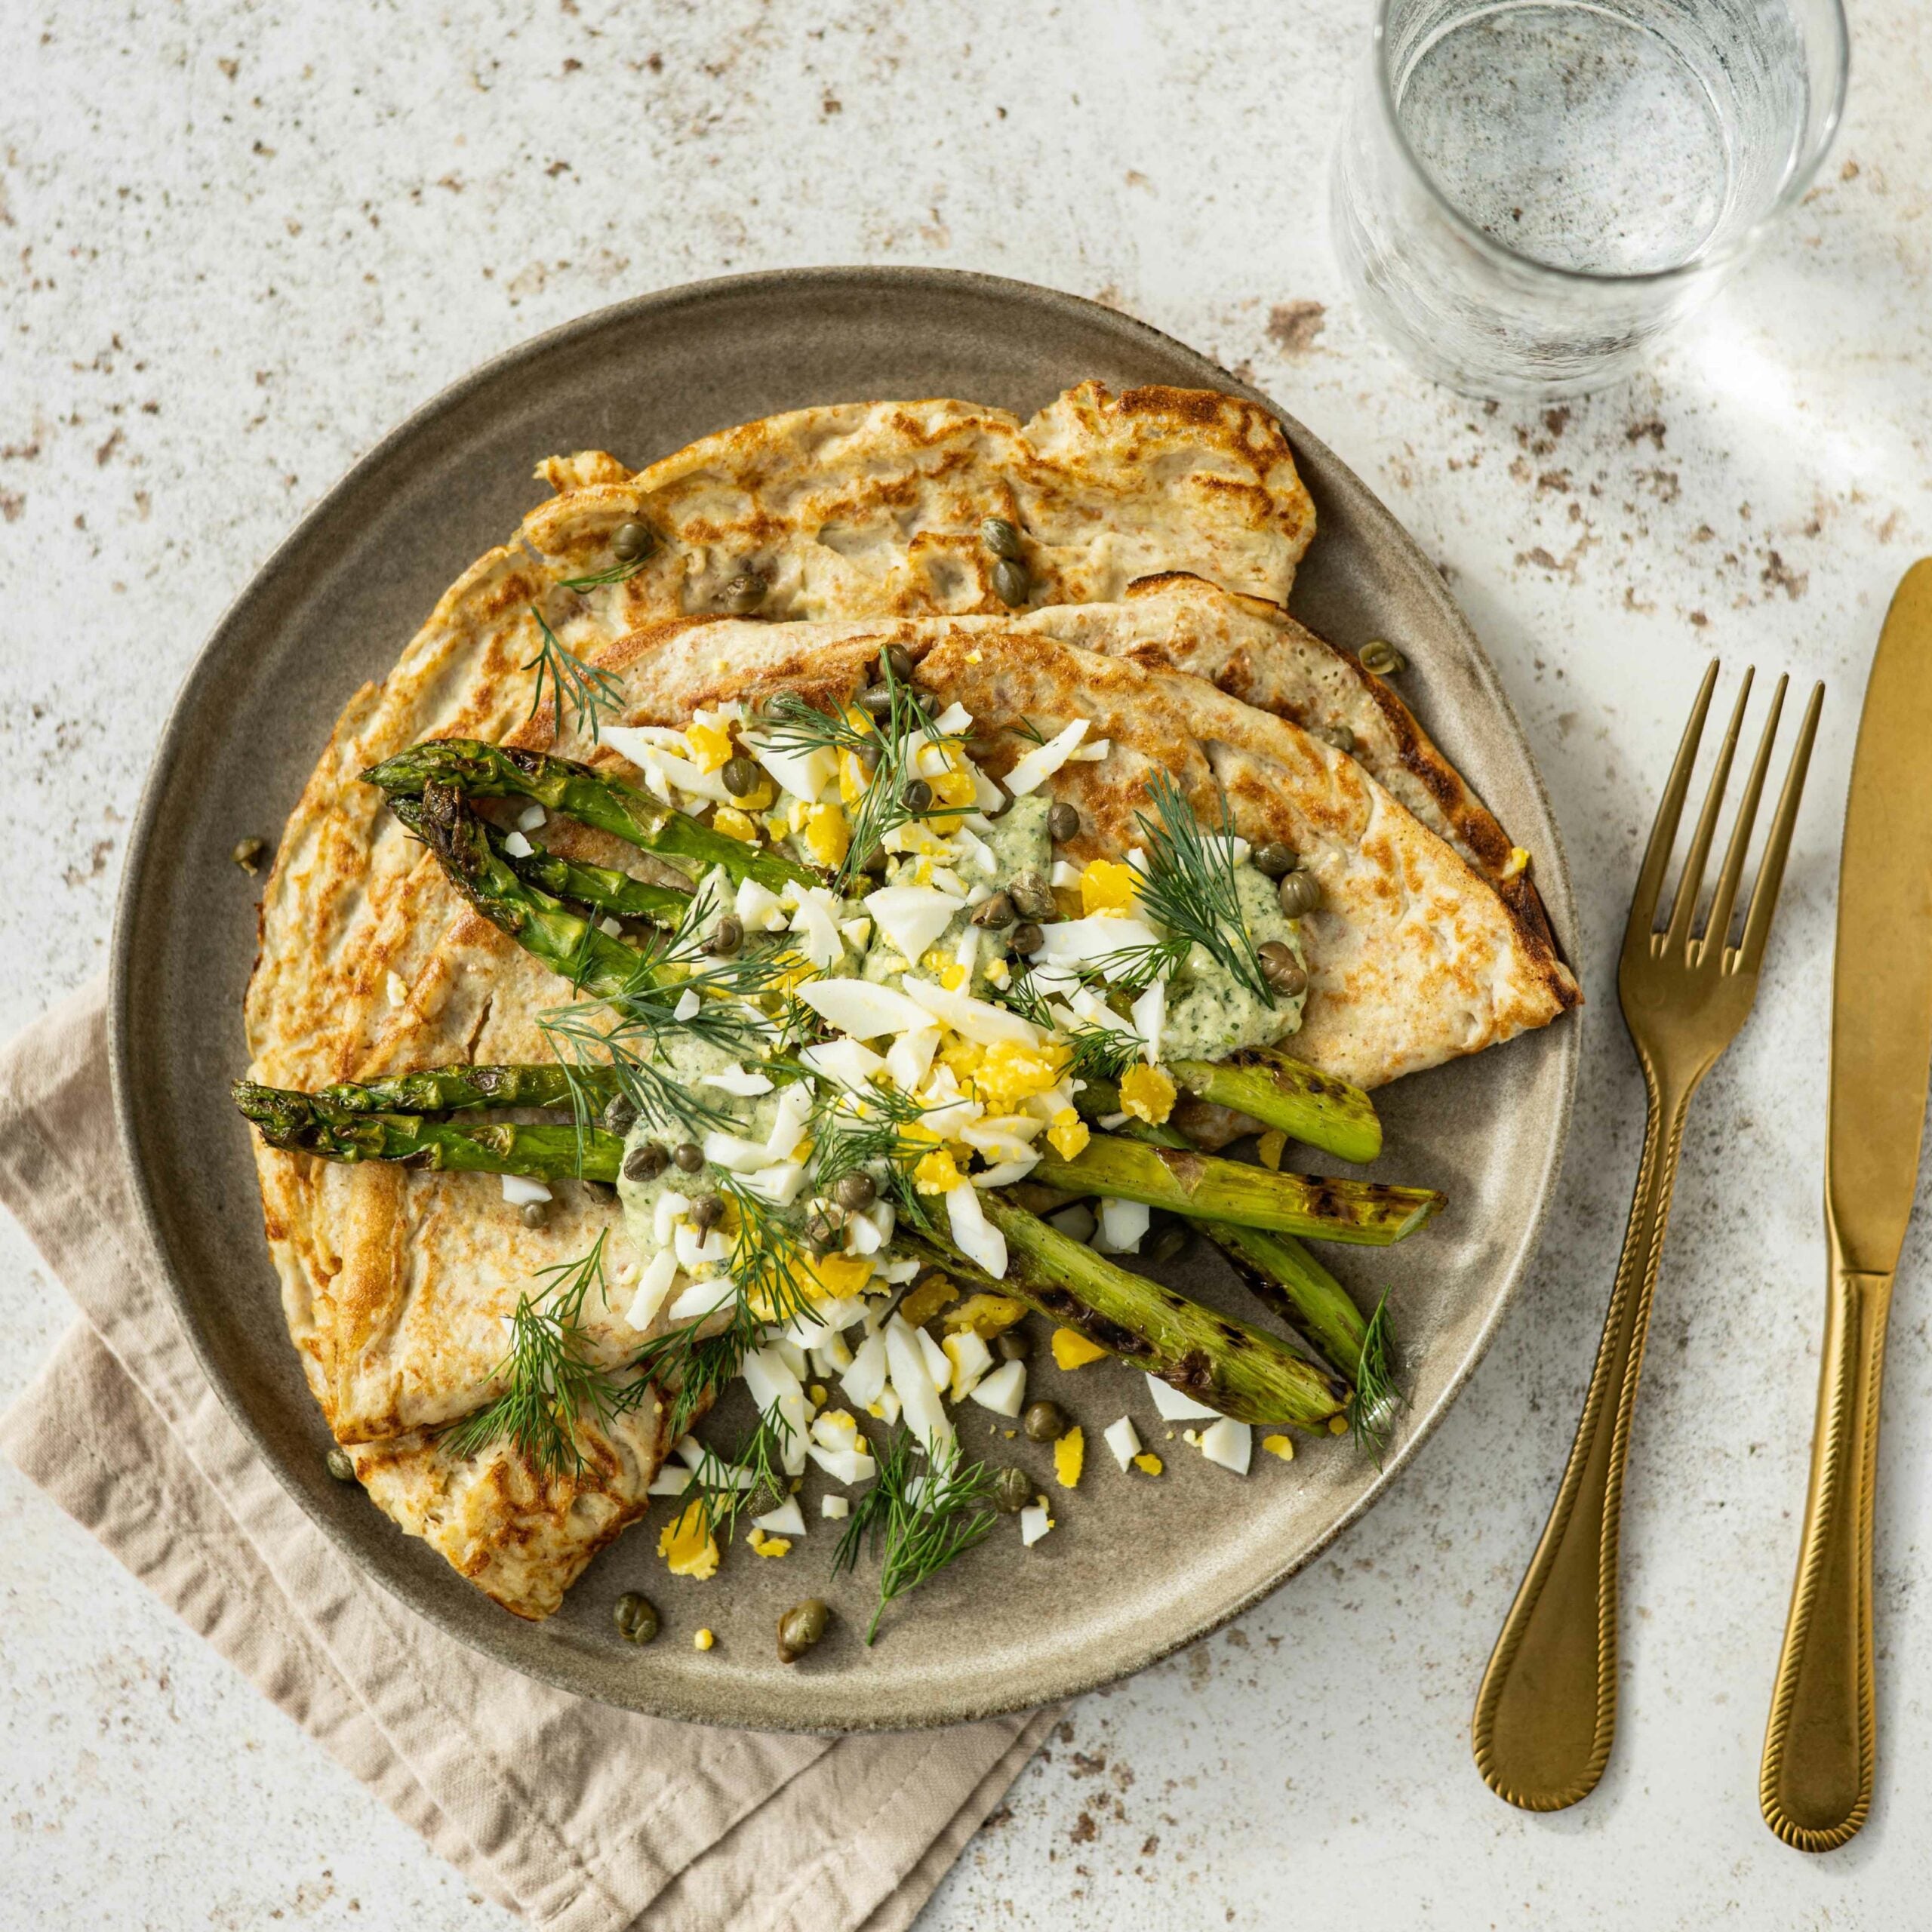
(1039, 765)
(1174, 1407)
(1073, 1350)
(519, 1191)
(1069, 1456)
(1123, 1439)
(1282, 1446)
(835, 1509)
(1004, 1390)
(1230, 1443)
(687, 1547)
(1033, 1524)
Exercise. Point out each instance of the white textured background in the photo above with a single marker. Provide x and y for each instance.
(237, 242)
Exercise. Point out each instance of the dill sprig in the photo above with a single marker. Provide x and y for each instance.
(791, 725)
(922, 1532)
(1372, 1408)
(551, 1384)
(718, 1482)
(1189, 886)
(590, 691)
(1100, 1053)
(854, 1133)
(618, 573)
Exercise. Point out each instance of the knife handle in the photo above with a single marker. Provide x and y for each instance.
(1546, 1711)
(1820, 1745)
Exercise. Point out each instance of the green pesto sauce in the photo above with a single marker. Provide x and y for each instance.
(1210, 1013)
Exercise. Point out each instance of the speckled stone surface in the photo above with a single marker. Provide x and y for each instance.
(237, 243)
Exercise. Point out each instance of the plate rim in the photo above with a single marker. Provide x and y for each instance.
(289, 559)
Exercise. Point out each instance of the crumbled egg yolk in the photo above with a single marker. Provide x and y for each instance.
(928, 1298)
(1068, 1134)
(1073, 1350)
(1069, 1453)
(1148, 1463)
(763, 1544)
(839, 1276)
(1011, 1071)
(986, 1315)
(828, 838)
(687, 1547)
(735, 823)
(1517, 862)
(1148, 1094)
(702, 1641)
(937, 1173)
(819, 1394)
(1279, 1445)
(1106, 886)
(1270, 1147)
(711, 745)
(1338, 1425)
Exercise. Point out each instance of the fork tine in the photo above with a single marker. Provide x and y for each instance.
(1688, 886)
(1717, 927)
(1777, 846)
(1663, 833)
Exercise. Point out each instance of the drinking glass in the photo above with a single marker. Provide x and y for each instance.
(1526, 194)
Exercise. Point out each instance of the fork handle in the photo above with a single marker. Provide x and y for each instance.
(1820, 1745)
(1547, 1709)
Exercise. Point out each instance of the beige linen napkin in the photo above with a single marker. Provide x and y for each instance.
(582, 1818)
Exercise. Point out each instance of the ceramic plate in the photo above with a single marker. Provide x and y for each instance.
(1136, 1567)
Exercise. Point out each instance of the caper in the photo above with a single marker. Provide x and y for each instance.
(873, 863)
(856, 1191)
(899, 660)
(707, 1210)
(1013, 1345)
(726, 937)
(1010, 580)
(1275, 860)
(1166, 1244)
(1382, 658)
(339, 1464)
(1281, 969)
(1013, 1490)
(740, 776)
(645, 1161)
(534, 1213)
(868, 755)
(1032, 897)
(996, 912)
(800, 1627)
(916, 795)
(746, 592)
(826, 1224)
(876, 701)
(818, 1248)
(1028, 938)
(1064, 821)
(636, 1617)
(1001, 538)
(630, 541)
(1299, 894)
(1340, 735)
(1044, 1422)
(689, 1156)
(248, 854)
(620, 1115)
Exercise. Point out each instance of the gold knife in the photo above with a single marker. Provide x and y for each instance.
(1815, 1784)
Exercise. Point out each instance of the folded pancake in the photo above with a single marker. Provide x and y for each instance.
(395, 1284)
(1415, 958)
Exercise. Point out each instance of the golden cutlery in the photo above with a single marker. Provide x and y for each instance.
(1815, 1785)
(1547, 1709)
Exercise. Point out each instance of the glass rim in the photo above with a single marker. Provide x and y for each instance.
(1798, 179)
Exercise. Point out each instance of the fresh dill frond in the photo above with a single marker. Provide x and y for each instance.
(582, 1038)
(589, 691)
(924, 1517)
(791, 725)
(855, 1132)
(719, 1483)
(618, 573)
(551, 1384)
(1100, 1053)
(1372, 1408)
(1027, 729)
(1189, 886)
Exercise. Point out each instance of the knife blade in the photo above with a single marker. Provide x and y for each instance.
(1881, 1001)
(1819, 1764)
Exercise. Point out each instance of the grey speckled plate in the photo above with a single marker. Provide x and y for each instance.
(1137, 1568)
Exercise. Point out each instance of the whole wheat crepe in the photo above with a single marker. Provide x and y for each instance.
(1162, 530)
(395, 1285)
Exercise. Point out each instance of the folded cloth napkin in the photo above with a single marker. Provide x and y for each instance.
(582, 1818)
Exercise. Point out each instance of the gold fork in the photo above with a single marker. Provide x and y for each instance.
(1547, 1709)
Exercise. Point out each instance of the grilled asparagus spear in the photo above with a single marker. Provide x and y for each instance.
(1206, 1188)
(482, 771)
(1267, 1085)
